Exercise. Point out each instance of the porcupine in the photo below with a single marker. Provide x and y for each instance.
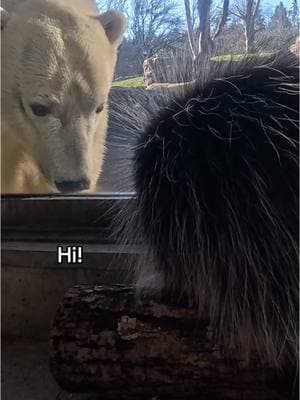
(215, 171)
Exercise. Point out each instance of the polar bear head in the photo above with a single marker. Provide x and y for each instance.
(57, 67)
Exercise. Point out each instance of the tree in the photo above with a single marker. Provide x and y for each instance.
(205, 44)
(222, 19)
(200, 38)
(121, 5)
(280, 20)
(259, 23)
(247, 11)
(190, 27)
(155, 25)
(294, 14)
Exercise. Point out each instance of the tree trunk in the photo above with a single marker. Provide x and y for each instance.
(250, 17)
(105, 340)
(223, 19)
(205, 43)
(249, 36)
(190, 27)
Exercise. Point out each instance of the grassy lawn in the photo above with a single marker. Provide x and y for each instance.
(138, 81)
(239, 57)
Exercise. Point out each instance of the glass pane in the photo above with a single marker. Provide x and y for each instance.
(116, 174)
(162, 44)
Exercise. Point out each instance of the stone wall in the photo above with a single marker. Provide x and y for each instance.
(156, 69)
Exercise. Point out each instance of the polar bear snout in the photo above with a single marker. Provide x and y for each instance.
(73, 186)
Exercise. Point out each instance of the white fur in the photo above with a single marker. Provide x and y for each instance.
(60, 54)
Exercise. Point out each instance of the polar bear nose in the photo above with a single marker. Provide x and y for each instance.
(73, 186)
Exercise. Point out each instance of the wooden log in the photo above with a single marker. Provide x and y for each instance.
(105, 340)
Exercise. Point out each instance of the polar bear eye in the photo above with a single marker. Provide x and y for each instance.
(99, 108)
(39, 110)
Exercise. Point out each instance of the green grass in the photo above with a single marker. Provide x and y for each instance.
(138, 81)
(239, 57)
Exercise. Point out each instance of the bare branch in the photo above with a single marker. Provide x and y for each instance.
(155, 24)
(248, 11)
(223, 19)
(238, 15)
(256, 9)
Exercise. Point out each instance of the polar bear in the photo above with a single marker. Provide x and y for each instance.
(58, 60)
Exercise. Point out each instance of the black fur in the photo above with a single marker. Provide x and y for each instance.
(216, 180)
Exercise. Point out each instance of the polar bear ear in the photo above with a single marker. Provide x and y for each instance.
(114, 24)
(4, 17)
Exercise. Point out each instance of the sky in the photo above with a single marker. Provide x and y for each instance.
(273, 3)
(267, 5)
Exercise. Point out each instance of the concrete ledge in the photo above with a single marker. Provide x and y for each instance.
(33, 283)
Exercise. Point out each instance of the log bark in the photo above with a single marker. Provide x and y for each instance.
(106, 340)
